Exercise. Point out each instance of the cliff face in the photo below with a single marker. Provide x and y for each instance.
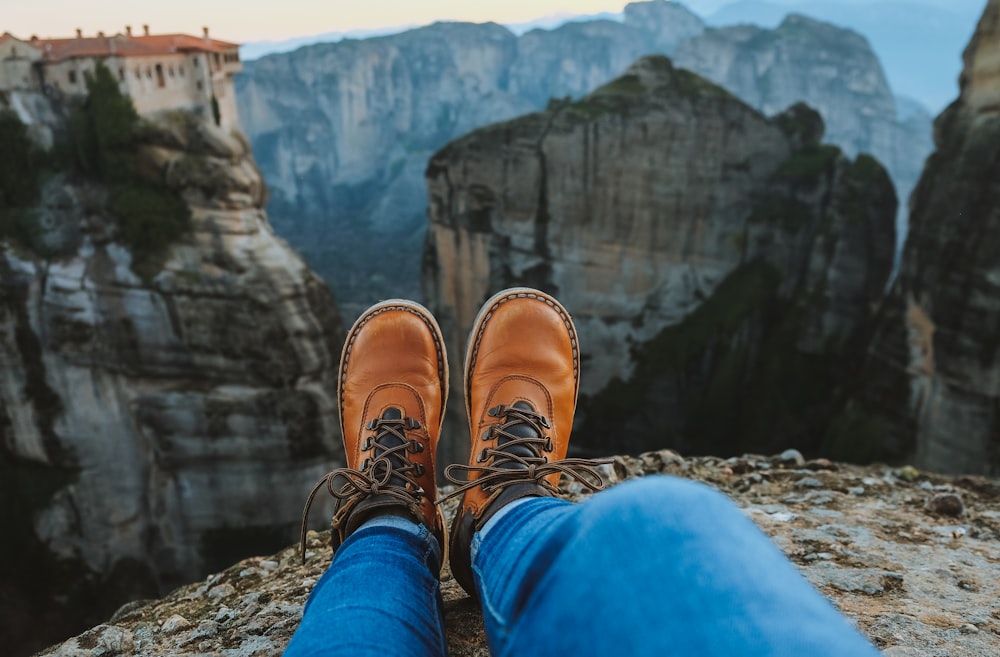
(343, 131)
(903, 554)
(935, 372)
(845, 83)
(156, 429)
(721, 267)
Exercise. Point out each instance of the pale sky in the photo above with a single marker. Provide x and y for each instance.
(253, 20)
(257, 20)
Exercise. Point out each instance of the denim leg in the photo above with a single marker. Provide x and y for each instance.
(656, 566)
(380, 596)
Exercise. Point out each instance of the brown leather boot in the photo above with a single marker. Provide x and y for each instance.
(522, 374)
(392, 392)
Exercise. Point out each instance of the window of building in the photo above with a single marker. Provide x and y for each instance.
(195, 60)
(149, 73)
(160, 80)
(121, 75)
(200, 86)
(180, 70)
(217, 62)
(170, 71)
(72, 77)
(138, 73)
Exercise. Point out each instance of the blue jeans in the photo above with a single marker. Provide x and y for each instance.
(656, 566)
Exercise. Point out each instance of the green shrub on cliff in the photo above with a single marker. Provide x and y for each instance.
(20, 175)
(104, 130)
(806, 166)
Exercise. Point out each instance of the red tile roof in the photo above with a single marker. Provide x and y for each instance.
(120, 45)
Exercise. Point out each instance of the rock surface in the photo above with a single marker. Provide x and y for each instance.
(155, 430)
(935, 369)
(721, 267)
(845, 83)
(343, 131)
(915, 582)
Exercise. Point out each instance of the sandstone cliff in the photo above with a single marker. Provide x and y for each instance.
(909, 557)
(935, 370)
(845, 83)
(721, 267)
(343, 131)
(153, 430)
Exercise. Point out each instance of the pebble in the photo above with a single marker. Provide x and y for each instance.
(856, 490)
(174, 624)
(205, 630)
(109, 639)
(267, 564)
(783, 516)
(809, 482)
(225, 614)
(822, 464)
(221, 591)
(792, 457)
(902, 651)
(946, 504)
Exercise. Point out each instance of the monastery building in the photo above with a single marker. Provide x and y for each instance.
(157, 71)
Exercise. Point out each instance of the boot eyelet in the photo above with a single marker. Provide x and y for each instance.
(366, 464)
(482, 457)
(548, 444)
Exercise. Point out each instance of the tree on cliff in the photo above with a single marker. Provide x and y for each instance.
(19, 175)
(105, 146)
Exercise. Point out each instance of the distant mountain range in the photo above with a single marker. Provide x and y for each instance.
(919, 42)
(343, 131)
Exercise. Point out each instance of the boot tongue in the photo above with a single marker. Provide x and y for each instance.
(388, 440)
(521, 430)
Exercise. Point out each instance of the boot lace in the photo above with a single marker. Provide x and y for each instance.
(390, 472)
(503, 468)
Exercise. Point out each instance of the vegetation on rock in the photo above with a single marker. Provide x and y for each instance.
(20, 176)
(104, 146)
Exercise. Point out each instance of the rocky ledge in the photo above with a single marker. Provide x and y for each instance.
(911, 557)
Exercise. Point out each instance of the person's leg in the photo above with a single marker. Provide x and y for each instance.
(380, 596)
(657, 566)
